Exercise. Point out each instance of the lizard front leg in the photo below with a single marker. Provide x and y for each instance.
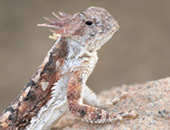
(92, 99)
(85, 112)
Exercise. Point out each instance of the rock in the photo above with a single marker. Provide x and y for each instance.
(151, 101)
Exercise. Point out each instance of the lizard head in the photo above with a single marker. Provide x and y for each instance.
(91, 28)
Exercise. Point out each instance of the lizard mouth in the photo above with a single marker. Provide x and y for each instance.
(116, 25)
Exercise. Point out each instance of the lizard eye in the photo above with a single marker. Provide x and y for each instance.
(89, 23)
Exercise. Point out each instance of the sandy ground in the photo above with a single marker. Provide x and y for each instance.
(138, 52)
(149, 100)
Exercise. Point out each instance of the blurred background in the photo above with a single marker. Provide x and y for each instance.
(137, 53)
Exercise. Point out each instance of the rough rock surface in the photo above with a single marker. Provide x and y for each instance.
(151, 101)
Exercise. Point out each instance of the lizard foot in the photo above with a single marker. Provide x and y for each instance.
(117, 99)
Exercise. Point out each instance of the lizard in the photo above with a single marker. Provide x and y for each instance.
(59, 83)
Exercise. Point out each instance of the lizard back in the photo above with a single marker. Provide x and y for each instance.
(37, 92)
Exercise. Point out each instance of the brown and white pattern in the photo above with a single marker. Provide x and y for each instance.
(59, 84)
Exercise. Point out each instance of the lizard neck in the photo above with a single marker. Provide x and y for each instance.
(80, 58)
(78, 50)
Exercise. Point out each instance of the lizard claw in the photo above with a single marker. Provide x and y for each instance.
(117, 99)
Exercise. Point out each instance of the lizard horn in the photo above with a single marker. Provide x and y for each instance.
(64, 15)
(56, 23)
(60, 23)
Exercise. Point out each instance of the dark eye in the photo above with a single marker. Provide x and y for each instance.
(89, 23)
